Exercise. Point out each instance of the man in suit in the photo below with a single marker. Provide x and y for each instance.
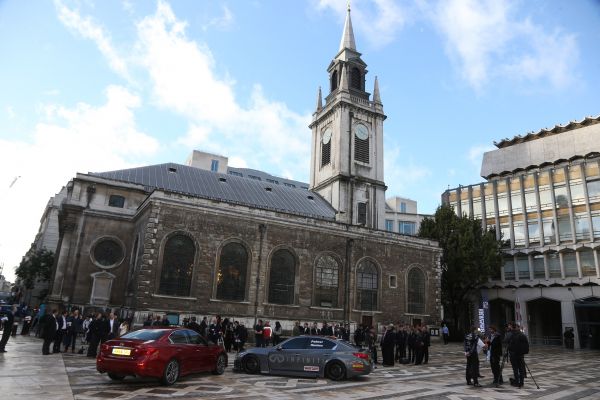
(49, 327)
(113, 326)
(61, 332)
(7, 319)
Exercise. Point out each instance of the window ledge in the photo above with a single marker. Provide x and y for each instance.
(366, 311)
(282, 305)
(165, 296)
(326, 308)
(229, 301)
(418, 315)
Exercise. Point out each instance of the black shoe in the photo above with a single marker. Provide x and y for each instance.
(3, 351)
(496, 385)
(476, 385)
(469, 383)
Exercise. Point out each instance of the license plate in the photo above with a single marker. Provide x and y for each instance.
(121, 352)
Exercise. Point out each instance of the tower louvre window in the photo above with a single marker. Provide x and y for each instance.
(355, 79)
(334, 79)
(361, 149)
(325, 154)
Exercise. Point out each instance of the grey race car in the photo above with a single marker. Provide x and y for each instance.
(309, 356)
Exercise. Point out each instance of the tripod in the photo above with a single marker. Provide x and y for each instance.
(530, 374)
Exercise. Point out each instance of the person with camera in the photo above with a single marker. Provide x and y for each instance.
(518, 346)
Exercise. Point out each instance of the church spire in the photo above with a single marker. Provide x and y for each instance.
(348, 35)
(376, 95)
(319, 100)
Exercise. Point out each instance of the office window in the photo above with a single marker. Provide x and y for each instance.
(553, 261)
(256, 178)
(406, 228)
(389, 225)
(403, 207)
(588, 264)
(539, 271)
(593, 190)
(523, 267)
(582, 227)
(570, 264)
(509, 269)
(214, 165)
(235, 173)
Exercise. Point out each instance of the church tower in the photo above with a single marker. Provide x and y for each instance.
(347, 140)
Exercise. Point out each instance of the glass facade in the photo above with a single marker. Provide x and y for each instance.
(544, 210)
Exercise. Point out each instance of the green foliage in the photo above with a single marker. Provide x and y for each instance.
(36, 267)
(470, 256)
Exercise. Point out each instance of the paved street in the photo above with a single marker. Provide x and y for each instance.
(561, 374)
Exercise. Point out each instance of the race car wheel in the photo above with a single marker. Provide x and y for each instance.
(335, 371)
(116, 377)
(220, 365)
(171, 373)
(251, 364)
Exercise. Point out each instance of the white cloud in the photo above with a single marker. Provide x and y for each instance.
(487, 40)
(69, 140)
(379, 23)
(184, 79)
(222, 22)
(88, 29)
(401, 172)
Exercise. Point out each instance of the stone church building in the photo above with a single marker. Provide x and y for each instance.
(203, 238)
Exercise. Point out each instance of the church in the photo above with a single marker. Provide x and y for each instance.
(202, 238)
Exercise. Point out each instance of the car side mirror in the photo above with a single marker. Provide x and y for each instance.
(278, 348)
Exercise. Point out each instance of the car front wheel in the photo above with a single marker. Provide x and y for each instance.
(335, 371)
(220, 365)
(251, 364)
(171, 373)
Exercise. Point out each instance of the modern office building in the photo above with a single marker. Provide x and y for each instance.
(542, 194)
(401, 216)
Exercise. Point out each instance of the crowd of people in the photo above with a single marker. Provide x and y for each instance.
(491, 344)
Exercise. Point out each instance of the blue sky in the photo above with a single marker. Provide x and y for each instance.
(101, 85)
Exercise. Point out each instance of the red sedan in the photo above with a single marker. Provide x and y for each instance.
(166, 354)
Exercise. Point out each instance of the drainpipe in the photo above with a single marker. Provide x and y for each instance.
(262, 228)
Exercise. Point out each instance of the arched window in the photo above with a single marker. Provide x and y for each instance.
(334, 80)
(367, 283)
(177, 266)
(231, 275)
(282, 278)
(355, 79)
(326, 282)
(415, 291)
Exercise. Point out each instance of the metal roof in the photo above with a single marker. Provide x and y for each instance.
(228, 188)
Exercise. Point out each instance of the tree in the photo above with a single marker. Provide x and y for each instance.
(470, 256)
(36, 268)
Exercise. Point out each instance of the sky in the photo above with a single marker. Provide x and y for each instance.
(90, 86)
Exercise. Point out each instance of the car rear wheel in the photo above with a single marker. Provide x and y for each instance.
(251, 364)
(171, 373)
(116, 377)
(335, 371)
(221, 364)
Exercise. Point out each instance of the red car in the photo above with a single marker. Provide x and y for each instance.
(165, 353)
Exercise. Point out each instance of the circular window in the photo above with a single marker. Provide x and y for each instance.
(107, 253)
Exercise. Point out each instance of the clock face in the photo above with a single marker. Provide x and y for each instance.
(326, 136)
(361, 132)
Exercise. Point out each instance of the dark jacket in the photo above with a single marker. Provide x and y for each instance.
(48, 324)
(470, 344)
(495, 346)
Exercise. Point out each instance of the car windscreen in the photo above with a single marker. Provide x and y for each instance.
(144, 334)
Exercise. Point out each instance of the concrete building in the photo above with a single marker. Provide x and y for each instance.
(205, 238)
(401, 216)
(542, 194)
